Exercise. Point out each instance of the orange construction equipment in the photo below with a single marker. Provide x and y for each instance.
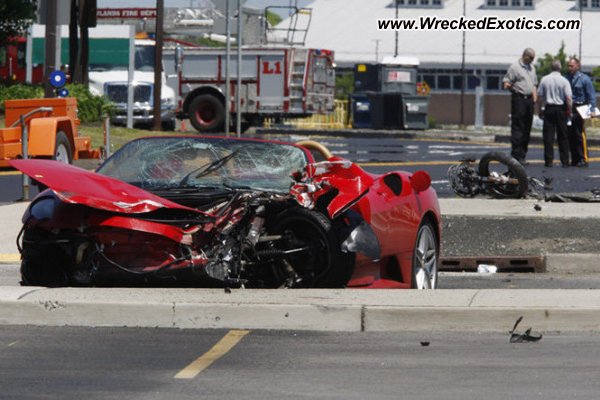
(52, 131)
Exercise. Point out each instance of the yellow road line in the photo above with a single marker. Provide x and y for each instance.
(2, 173)
(10, 258)
(217, 351)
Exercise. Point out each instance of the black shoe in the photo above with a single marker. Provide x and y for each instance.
(582, 164)
(548, 165)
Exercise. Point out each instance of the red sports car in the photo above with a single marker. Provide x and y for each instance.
(220, 211)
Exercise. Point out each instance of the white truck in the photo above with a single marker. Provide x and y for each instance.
(276, 82)
(111, 81)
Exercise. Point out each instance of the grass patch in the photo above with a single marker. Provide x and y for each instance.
(119, 135)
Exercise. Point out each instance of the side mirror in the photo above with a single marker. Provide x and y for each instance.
(420, 181)
(178, 58)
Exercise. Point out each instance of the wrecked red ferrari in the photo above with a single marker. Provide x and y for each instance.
(218, 211)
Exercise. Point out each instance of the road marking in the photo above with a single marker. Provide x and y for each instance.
(10, 173)
(10, 258)
(217, 351)
(13, 343)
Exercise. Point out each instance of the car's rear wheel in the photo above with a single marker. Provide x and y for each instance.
(425, 258)
(316, 258)
(207, 113)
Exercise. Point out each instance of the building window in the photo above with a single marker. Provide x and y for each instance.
(417, 4)
(509, 4)
(589, 5)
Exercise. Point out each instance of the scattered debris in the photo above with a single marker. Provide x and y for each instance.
(425, 344)
(523, 337)
(537, 207)
(487, 269)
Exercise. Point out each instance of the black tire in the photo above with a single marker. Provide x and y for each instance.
(325, 265)
(207, 113)
(42, 265)
(62, 149)
(512, 168)
(425, 258)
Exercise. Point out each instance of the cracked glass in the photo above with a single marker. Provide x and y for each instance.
(175, 162)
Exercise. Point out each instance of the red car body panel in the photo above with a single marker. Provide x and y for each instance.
(79, 186)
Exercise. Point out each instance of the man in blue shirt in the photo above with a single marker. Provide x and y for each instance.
(583, 94)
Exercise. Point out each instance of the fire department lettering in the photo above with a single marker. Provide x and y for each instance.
(271, 67)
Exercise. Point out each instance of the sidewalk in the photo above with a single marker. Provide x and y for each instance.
(304, 309)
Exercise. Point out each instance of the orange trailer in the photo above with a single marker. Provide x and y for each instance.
(51, 134)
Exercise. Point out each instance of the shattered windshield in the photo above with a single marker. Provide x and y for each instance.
(163, 163)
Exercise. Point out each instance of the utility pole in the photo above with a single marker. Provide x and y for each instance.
(396, 48)
(160, 4)
(377, 49)
(580, 28)
(238, 93)
(50, 49)
(227, 63)
(73, 41)
(462, 71)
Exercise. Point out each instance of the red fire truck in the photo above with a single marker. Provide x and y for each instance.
(276, 82)
(12, 62)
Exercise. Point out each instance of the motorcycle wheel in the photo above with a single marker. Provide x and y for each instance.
(509, 167)
(322, 264)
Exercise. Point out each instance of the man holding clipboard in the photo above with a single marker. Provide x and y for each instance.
(584, 106)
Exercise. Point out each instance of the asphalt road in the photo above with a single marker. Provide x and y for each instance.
(101, 363)
(383, 154)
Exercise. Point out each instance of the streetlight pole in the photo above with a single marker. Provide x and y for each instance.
(462, 71)
(396, 48)
(227, 63)
(238, 93)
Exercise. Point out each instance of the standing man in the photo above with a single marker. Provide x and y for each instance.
(583, 94)
(521, 80)
(555, 107)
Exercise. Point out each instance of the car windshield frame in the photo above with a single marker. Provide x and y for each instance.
(171, 163)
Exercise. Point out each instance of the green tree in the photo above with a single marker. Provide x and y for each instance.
(15, 17)
(596, 78)
(344, 85)
(543, 66)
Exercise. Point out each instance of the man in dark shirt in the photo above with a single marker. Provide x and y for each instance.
(555, 105)
(583, 95)
(521, 80)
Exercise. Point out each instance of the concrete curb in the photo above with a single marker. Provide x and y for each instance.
(312, 309)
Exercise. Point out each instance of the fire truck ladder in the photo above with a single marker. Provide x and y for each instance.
(293, 30)
(299, 69)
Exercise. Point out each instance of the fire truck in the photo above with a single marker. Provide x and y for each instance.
(279, 82)
(12, 62)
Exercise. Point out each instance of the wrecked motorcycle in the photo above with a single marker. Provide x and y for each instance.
(498, 175)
